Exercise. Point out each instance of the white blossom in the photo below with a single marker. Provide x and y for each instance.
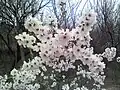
(65, 87)
(83, 88)
(118, 59)
(57, 53)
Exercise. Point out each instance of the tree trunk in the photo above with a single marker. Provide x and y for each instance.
(18, 54)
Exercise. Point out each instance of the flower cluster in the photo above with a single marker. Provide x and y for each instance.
(26, 40)
(62, 48)
(4, 85)
(59, 50)
(109, 53)
(118, 59)
(33, 25)
(22, 78)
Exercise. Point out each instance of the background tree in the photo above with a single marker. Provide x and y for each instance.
(106, 24)
(67, 12)
(106, 33)
(13, 14)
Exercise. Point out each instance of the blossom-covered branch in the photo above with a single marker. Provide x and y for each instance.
(59, 50)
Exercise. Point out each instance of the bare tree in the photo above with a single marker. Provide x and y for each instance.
(13, 14)
(103, 33)
(106, 33)
(67, 12)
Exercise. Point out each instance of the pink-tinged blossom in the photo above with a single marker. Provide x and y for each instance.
(59, 52)
(63, 37)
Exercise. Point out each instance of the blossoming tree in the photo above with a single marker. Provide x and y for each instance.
(64, 59)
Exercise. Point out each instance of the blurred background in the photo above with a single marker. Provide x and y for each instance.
(67, 13)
